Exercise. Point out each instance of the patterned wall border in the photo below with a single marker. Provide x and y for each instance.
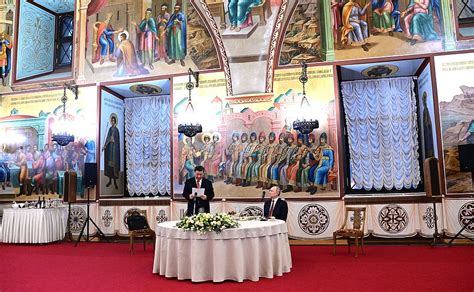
(220, 45)
(273, 45)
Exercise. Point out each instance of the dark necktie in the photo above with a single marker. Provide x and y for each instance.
(270, 213)
(198, 184)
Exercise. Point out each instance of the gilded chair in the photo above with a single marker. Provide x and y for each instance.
(147, 232)
(355, 231)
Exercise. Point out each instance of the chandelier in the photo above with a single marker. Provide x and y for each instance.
(189, 128)
(62, 132)
(304, 125)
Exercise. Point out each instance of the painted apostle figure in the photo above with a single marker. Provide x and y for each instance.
(127, 63)
(176, 36)
(5, 57)
(161, 23)
(111, 150)
(355, 29)
(147, 39)
(240, 15)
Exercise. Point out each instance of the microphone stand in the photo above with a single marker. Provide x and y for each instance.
(437, 239)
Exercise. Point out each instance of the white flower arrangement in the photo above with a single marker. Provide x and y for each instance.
(205, 222)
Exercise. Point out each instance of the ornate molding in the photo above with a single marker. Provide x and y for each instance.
(250, 99)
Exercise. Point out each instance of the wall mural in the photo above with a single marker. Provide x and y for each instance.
(429, 145)
(128, 39)
(302, 41)
(112, 133)
(372, 28)
(247, 144)
(456, 103)
(31, 164)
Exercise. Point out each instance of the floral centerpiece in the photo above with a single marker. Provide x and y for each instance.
(205, 222)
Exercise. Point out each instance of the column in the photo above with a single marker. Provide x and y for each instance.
(82, 23)
(449, 42)
(130, 15)
(327, 39)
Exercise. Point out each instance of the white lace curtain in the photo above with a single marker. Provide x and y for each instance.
(382, 129)
(147, 144)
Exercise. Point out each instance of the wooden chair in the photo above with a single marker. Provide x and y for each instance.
(357, 230)
(141, 232)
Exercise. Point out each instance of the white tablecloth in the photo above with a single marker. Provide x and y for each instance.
(255, 249)
(34, 225)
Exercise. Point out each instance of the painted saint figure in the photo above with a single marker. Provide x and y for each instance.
(188, 153)
(382, 16)
(240, 15)
(176, 36)
(105, 41)
(325, 165)
(161, 23)
(427, 129)
(5, 57)
(336, 7)
(355, 29)
(111, 151)
(147, 37)
(4, 169)
(127, 63)
(418, 22)
(23, 174)
(241, 150)
(231, 153)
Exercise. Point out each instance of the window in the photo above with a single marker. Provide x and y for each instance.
(64, 40)
(382, 136)
(464, 14)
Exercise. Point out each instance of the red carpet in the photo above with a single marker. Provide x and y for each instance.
(109, 267)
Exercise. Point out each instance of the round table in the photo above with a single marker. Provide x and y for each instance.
(34, 225)
(255, 249)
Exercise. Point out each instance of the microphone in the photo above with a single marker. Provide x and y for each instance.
(263, 195)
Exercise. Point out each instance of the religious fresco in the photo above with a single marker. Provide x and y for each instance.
(429, 145)
(456, 104)
(302, 41)
(247, 143)
(376, 28)
(31, 164)
(129, 39)
(112, 145)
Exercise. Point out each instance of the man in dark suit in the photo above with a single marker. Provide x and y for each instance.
(275, 207)
(198, 203)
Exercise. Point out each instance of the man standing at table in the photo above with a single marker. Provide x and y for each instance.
(275, 207)
(198, 203)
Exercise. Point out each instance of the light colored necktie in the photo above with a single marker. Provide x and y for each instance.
(198, 184)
